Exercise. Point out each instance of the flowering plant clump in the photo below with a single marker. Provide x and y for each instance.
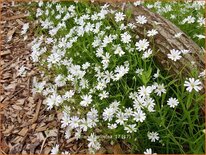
(105, 81)
(187, 15)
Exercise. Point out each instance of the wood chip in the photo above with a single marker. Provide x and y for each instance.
(40, 136)
(8, 130)
(16, 107)
(23, 131)
(11, 86)
(47, 150)
(39, 129)
(16, 149)
(34, 146)
(117, 149)
(19, 22)
(20, 101)
(51, 133)
(10, 34)
(3, 53)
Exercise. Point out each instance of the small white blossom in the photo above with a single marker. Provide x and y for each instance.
(139, 116)
(119, 51)
(152, 33)
(149, 152)
(87, 99)
(174, 55)
(193, 84)
(25, 28)
(119, 16)
(139, 71)
(178, 35)
(21, 71)
(147, 54)
(142, 45)
(153, 136)
(126, 37)
(93, 142)
(55, 149)
(172, 102)
(103, 95)
(130, 128)
(141, 19)
(160, 89)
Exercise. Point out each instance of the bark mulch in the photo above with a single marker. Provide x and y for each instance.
(26, 125)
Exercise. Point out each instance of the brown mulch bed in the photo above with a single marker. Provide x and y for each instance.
(26, 125)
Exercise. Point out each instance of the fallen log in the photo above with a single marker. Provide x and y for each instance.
(165, 41)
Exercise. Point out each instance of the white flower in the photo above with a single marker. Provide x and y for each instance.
(108, 114)
(128, 112)
(119, 51)
(85, 65)
(93, 143)
(122, 27)
(66, 152)
(172, 102)
(74, 122)
(145, 91)
(67, 133)
(60, 80)
(139, 71)
(84, 124)
(150, 103)
(149, 151)
(172, 16)
(55, 149)
(65, 120)
(38, 86)
(120, 72)
(21, 71)
(103, 95)
(178, 35)
(142, 45)
(202, 74)
(126, 37)
(112, 126)
(114, 105)
(200, 36)
(201, 21)
(130, 128)
(160, 88)
(137, 3)
(25, 28)
(152, 33)
(147, 54)
(121, 117)
(156, 75)
(87, 99)
(149, 6)
(139, 116)
(107, 40)
(184, 51)
(68, 94)
(189, 20)
(53, 100)
(193, 84)
(93, 115)
(119, 16)
(153, 136)
(108, 76)
(174, 55)
(141, 19)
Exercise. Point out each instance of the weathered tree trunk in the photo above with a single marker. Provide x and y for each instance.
(164, 41)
